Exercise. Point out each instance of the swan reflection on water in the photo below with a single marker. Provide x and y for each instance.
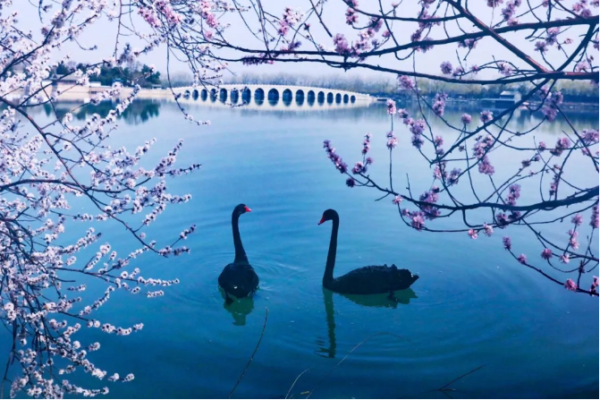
(238, 308)
(377, 300)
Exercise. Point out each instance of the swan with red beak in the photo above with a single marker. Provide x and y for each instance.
(238, 279)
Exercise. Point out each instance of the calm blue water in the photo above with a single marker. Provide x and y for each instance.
(472, 306)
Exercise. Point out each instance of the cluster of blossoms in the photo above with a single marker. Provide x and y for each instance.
(439, 104)
(365, 42)
(514, 192)
(406, 82)
(45, 167)
(550, 40)
(494, 133)
(117, 175)
(430, 211)
(290, 19)
(340, 165)
(416, 127)
(392, 140)
(594, 219)
(562, 144)
(158, 11)
(488, 230)
(508, 12)
(486, 116)
(367, 147)
(391, 107)
(351, 16)
(459, 71)
(571, 285)
(480, 150)
(551, 105)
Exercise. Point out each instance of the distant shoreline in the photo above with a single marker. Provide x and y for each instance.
(79, 94)
(453, 102)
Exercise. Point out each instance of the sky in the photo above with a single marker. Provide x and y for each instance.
(103, 33)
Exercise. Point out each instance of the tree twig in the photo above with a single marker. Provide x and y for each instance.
(348, 354)
(253, 354)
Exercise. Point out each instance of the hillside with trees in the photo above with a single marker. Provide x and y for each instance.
(129, 75)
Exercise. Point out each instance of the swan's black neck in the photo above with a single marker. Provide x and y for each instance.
(328, 276)
(240, 254)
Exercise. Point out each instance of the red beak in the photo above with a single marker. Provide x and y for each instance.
(321, 221)
(248, 210)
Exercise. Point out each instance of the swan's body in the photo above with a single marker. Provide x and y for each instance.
(373, 279)
(238, 279)
(366, 280)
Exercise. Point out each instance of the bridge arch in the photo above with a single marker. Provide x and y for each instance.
(273, 96)
(286, 97)
(223, 95)
(213, 95)
(330, 98)
(310, 97)
(195, 94)
(321, 97)
(259, 96)
(246, 95)
(346, 98)
(235, 96)
(338, 98)
(352, 99)
(299, 97)
(204, 94)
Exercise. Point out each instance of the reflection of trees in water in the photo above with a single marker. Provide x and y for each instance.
(141, 111)
(353, 114)
(138, 112)
(521, 120)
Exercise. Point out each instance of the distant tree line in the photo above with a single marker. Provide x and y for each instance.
(139, 73)
(573, 91)
(354, 83)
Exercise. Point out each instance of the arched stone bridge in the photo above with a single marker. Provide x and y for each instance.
(274, 95)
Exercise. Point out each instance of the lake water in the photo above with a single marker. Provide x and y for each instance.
(473, 304)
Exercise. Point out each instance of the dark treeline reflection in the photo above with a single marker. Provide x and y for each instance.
(142, 111)
(521, 120)
(138, 112)
(328, 350)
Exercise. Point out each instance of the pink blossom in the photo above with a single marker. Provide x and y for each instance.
(571, 285)
(594, 219)
(406, 82)
(391, 107)
(486, 116)
(547, 254)
(446, 68)
(488, 230)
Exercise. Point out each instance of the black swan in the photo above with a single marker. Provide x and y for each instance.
(366, 280)
(238, 278)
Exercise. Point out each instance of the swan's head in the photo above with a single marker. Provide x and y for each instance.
(241, 209)
(328, 215)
